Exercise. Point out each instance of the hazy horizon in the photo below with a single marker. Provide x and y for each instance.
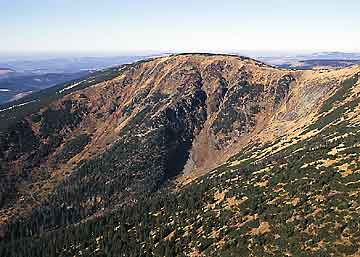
(58, 55)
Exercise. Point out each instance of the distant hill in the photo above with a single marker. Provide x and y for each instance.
(184, 155)
(319, 64)
(332, 56)
(322, 60)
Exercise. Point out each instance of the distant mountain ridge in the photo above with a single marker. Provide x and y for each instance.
(321, 60)
(334, 55)
(25, 76)
(15, 86)
(37, 65)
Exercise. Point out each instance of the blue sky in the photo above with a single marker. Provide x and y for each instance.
(187, 25)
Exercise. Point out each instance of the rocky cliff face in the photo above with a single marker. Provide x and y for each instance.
(166, 120)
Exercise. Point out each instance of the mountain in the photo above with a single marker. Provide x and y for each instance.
(184, 155)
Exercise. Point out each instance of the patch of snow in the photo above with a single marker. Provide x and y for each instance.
(4, 90)
(70, 87)
(18, 105)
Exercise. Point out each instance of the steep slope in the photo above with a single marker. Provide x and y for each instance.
(104, 156)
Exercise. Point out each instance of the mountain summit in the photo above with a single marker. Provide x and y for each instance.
(184, 155)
